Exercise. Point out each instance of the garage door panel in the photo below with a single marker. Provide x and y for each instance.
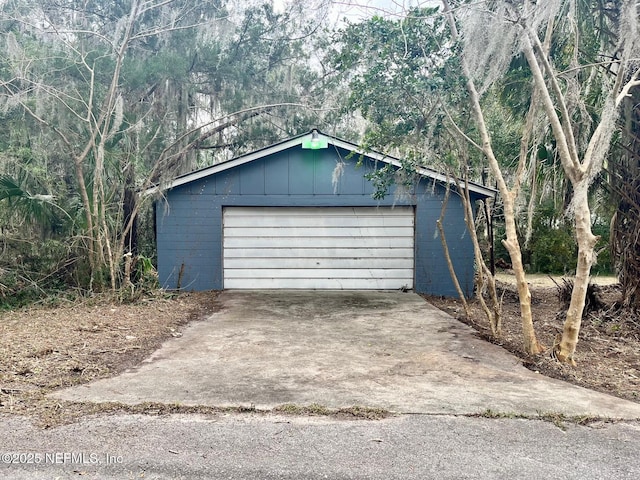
(320, 231)
(277, 252)
(317, 283)
(324, 212)
(311, 221)
(365, 273)
(316, 263)
(309, 247)
(322, 242)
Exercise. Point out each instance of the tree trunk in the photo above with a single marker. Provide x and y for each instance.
(129, 212)
(625, 187)
(531, 344)
(447, 256)
(86, 203)
(586, 258)
(512, 245)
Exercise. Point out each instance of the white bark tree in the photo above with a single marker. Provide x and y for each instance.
(509, 195)
(508, 29)
(582, 165)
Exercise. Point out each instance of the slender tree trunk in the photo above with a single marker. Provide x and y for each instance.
(447, 256)
(129, 208)
(86, 203)
(531, 344)
(494, 315)
(512, 245)
(586, 258)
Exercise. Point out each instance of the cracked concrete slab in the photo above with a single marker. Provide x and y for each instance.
(388, 350)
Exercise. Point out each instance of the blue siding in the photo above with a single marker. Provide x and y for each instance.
(324, 164)
(228, 183)
(252, 180)
(276, 177)
(189, 223)
(300, 173)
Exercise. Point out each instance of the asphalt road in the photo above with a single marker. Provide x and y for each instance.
(250, 446)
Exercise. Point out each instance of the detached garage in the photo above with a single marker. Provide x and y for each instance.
(301, 215)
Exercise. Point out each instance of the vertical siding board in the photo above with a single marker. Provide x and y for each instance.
(190, 232)
(216, 250)
(227, 182)
(206, 187)
(276, 174)
(301, 171)
(352, 180)
(252, 178)
(367, 168)
(324, 163)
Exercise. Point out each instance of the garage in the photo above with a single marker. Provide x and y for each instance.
(319, 248)
(308, 213)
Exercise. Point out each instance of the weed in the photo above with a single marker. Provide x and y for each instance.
(560, 420)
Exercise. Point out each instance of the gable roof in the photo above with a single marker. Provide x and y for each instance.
(298, 141)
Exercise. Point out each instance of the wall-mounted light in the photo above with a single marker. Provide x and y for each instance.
(315, 141)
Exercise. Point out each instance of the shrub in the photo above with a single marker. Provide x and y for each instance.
(553, 251)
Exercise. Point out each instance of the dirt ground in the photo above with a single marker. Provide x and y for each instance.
(46, 348)
(608, 352)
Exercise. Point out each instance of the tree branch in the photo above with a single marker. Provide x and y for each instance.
(569, 161)
(565, 120)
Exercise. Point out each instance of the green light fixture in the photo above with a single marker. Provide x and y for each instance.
(315, 141)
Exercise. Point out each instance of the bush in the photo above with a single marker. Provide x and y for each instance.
(553, 251)
(32, 271)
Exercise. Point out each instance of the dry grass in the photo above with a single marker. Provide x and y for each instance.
(43, 349)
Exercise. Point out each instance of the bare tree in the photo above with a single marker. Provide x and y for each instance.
(581, 169)
(509, 195)
(100, 79)
(514, 29)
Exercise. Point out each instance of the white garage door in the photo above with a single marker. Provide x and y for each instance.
(323, 248)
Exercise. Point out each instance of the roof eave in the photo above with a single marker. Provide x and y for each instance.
(425, 172)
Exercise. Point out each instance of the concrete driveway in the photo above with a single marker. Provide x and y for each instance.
(339, 349)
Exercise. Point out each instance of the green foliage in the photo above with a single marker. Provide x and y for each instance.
(397, 71)
(17, 292)
(553, 247)
(553, 250)
(36, 209)
(146, 275)
(66, 131)
(144, 281)
(33, 271)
